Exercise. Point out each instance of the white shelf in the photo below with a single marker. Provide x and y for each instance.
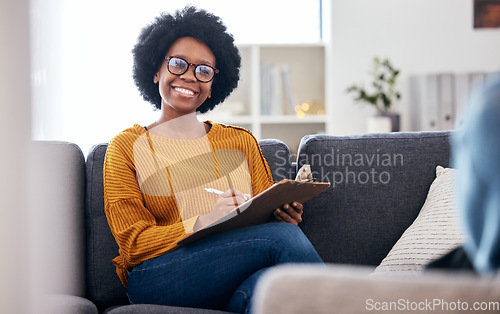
(275, 119)
(232, 120)
(289, 119)
(303, 66)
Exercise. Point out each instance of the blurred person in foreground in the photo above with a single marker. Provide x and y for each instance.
(476, 156)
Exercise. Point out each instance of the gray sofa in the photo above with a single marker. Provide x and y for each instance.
(374, 197)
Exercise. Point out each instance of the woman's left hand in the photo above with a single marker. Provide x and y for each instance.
(291, 213)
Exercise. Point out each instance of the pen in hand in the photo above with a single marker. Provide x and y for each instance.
(218, 192)
(245, 197)
(213, 191)
(234, 198)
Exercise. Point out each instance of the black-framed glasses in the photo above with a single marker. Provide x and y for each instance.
(178, 66)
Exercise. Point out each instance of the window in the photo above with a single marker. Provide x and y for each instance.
(83, 91)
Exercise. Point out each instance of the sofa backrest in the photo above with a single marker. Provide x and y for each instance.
(103, 285)
(379, 184)
(279, 158)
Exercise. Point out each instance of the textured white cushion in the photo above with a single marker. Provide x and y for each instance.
(434, 232)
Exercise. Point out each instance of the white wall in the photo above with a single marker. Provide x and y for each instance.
(418, 36)
(83, 90)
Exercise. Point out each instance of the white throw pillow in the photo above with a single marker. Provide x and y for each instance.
(435, 231)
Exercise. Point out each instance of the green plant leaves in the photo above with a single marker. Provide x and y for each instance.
(384, 81)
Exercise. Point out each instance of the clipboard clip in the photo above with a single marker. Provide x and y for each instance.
(304, 174)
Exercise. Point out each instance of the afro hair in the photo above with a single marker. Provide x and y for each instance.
(156, 38)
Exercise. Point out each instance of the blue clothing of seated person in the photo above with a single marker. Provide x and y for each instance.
(476, 156)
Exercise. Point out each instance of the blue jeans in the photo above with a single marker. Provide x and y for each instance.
(221, 271)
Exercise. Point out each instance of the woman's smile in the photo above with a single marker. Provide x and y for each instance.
(184, 91)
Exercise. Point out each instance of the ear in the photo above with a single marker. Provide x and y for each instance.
(210, 93)
(156, 78)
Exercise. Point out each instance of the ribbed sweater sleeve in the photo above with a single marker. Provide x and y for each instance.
(134, 227)
(259, 169)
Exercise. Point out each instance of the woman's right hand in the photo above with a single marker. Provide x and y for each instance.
(226, 203)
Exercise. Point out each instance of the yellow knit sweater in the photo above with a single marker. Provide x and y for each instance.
(154, 186)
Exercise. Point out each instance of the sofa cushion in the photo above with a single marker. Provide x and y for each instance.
(435, 231)
(158, 309)
(64, 304)
(103, 285)
(379, 184)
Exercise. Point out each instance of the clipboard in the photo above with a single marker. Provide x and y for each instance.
(260, 208)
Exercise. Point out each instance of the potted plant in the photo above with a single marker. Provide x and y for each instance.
(383, 94)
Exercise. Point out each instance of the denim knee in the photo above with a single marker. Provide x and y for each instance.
(297, 245)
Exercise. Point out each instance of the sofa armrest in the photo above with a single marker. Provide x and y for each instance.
(58, 188)
(64, 304)
(352, 289)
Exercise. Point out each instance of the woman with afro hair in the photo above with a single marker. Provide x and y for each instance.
(158, 178)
